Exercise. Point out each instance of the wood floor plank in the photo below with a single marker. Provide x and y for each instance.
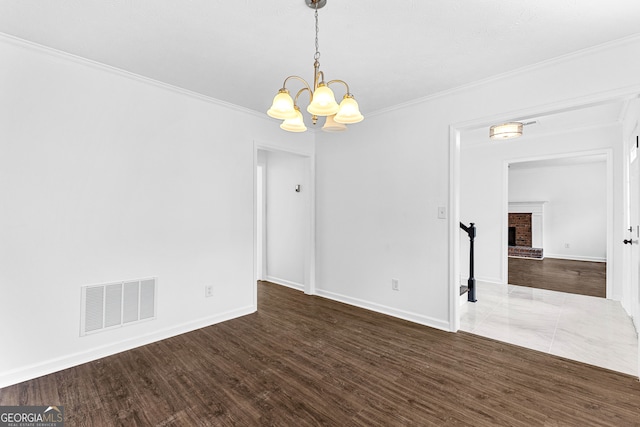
(308, 361)
(561, 275)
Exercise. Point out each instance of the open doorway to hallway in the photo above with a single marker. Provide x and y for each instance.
(284, 221)
(591, 329)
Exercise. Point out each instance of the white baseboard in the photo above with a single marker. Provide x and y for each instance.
(490, 281)
(576, 257)
(285, 282)
(26, 373)
(390, 311)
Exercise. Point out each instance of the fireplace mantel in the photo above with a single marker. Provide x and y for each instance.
(536, 209)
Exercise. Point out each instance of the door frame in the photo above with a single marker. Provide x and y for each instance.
(455, 130)
(609, 260)
(310, 255)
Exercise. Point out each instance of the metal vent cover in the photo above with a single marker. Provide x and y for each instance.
(117, 304)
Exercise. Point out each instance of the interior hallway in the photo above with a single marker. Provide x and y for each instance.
(588, 329)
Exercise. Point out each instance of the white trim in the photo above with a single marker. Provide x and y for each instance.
(536, 209)
(608, 152)
(495, 281)
(526, 207)
(508, 74)
(592, 100)
(29, 372)
(447, 92)
(610, 231)
(260, 145)
(576, 258)
(390, 311)
(127, 74)
(492, 281)
(284, 282)
(310, 265)
(454, 229)
(261, 210)
(309, 286)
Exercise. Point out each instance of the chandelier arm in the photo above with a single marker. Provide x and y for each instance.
(295, 100)
(318, 76)
(297, 78)
(343, 82)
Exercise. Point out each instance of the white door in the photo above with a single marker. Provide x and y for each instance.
(632, 253)
(634, 230)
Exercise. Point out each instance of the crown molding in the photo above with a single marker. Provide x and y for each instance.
(123, 73)
(526, 69)
(118, 71)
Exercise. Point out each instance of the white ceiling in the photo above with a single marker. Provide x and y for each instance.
(389, 52)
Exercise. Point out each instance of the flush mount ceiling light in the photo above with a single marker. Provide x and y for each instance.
(506, 130)
(322, 101)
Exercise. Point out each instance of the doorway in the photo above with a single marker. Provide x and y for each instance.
(284, 220)
(558, 214)
(483, 190)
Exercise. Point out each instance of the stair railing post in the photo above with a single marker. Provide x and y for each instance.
(471, 283)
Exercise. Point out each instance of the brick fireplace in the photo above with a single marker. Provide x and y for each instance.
(525, 229)
(521, 223)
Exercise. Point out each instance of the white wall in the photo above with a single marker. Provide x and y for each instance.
(379, 184)
(576, 208)
(105, 177)
(287, 218)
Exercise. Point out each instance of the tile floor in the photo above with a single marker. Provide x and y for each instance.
(588, 329)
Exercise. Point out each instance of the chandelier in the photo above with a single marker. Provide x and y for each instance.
(322, 101)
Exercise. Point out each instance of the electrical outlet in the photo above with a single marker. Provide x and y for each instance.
(208, 291)
(395, 285)
(566, 245)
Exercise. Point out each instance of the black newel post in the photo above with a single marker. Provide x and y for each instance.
(471, 283)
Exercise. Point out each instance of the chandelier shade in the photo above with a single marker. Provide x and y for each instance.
(330, 125)
(349, 112)
(322, 99)
(282, 106)
(296, 124)
(323, 102)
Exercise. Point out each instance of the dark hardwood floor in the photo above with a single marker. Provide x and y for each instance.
(576, 277)
(308, 361)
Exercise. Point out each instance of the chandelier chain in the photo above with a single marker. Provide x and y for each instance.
(316, 56)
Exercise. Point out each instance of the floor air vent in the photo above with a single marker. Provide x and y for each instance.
(117, 304)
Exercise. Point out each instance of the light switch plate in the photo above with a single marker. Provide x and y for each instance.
(442, 212)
